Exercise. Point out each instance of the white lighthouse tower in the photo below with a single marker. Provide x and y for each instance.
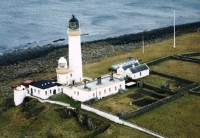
(75, 56)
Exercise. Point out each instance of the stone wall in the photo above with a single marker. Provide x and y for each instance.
(195, 91)
(158, 89)
(190, 54)
(182, 58)
(154, 62)
(170, 76)
(151, 106)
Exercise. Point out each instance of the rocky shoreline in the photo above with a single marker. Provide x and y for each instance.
(115, 43)
(24, 63)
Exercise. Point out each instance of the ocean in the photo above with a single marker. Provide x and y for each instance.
(29, 23)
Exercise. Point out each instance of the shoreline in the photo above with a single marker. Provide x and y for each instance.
(151, 36)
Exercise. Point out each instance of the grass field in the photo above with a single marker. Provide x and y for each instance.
(115, 103)
(179, 118)
(158, 81)
(186, 70)
(184, 44)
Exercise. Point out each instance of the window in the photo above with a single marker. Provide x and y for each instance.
(45, 92)
(50, 91)
(93, 95)
(104, 91)
(38, 92)
(58, 89)
(74, 92)
(78, 93)
(71, 75)
(99, 93)
(140, 73)
(115, 88)
(34, 90)
(109, 89)
(120, 86)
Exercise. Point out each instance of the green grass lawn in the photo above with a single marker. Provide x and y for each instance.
(184, 44)
(186, 70)
(66, 99)
(115, 103)
(179, 118)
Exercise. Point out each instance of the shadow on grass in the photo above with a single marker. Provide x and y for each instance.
(66, 99)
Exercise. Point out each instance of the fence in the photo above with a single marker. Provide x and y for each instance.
(151, 106)
(117, 120)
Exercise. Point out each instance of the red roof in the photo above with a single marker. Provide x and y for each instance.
(26, 83)
(15, 86)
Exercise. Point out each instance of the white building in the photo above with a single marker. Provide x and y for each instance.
(131, 68)
(19, 94)
(100, 88)
(43, 89)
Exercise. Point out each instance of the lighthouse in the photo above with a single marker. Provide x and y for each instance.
(74, 49)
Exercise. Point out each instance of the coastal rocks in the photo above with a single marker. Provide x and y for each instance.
(95, 125)
(31, 108)
(26, 63)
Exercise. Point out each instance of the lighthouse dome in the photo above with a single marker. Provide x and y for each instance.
(62, 63)
(73, 23)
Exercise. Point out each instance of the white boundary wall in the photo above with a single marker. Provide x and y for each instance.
(53, 102)
(117, 120)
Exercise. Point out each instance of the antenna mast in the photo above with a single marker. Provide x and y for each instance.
(143, 44)
(174, 31)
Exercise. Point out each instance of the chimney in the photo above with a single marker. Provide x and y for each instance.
(99, 80)
(111, 77)
(85, 87)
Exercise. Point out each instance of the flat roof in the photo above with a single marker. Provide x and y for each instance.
(130, 83)
(44, 84)
(93, 84)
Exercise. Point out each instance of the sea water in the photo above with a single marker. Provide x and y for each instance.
(28, 23)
